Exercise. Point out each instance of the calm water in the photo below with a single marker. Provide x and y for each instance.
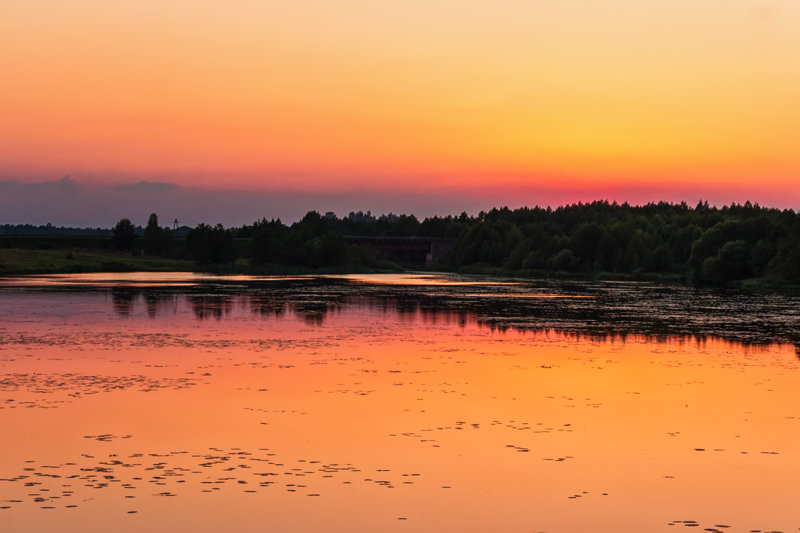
(394, 403)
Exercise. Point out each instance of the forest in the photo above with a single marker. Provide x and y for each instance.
(732, 245)
(698, 244)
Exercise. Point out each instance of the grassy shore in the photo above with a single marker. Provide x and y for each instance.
(764, 284)
(15, 261)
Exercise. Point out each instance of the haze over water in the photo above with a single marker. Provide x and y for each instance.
(393, 403)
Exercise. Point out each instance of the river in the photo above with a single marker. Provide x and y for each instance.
(413, 402)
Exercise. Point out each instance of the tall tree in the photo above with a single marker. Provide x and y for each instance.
(157, 240)
(124, 235)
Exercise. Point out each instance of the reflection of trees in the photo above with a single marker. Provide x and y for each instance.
(311, 311)
(796, 341)
(593, 311)
(312, 319)
(211, 306)
(602, 312)
(268, 306)
(122, 299)
(156, 302)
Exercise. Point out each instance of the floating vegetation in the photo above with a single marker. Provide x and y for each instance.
(173, 473)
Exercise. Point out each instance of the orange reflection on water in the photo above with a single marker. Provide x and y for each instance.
(379, 420)
(412, 279)
(543, 295)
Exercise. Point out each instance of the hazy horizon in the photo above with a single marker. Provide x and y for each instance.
(69, 202)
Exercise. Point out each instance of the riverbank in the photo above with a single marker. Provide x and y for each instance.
(15, 262)
(19, 262)
(765, 284)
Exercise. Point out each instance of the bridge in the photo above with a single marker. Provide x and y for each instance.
(435, 248)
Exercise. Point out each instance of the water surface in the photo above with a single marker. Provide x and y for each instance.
(394, 403)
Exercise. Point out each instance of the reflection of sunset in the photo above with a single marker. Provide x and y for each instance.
(609, 311)
(516, 295)
(417, 279)
(239, 412)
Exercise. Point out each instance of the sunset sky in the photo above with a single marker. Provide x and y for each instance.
(477, 99)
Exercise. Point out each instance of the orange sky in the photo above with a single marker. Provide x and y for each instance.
(322, 95)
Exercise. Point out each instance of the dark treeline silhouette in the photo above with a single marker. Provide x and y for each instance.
(125, 236)
(151, 240)
(157, 240)
(211, 245)
(49, 230)
(701, 244)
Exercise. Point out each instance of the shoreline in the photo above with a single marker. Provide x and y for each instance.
(18, 262)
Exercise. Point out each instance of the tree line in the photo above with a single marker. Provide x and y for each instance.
(51, 230)
(701, 244)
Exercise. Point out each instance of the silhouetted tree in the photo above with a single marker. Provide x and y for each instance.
(124, 235)
(211, 245)
(268, 242)
(157, 240)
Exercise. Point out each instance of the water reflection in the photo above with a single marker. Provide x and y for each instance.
(158, 303)
(340, 405)
(123, 298)
(266, 306)
(211, 306)
(595, 311)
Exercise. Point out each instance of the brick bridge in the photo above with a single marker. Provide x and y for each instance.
(435, 248)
